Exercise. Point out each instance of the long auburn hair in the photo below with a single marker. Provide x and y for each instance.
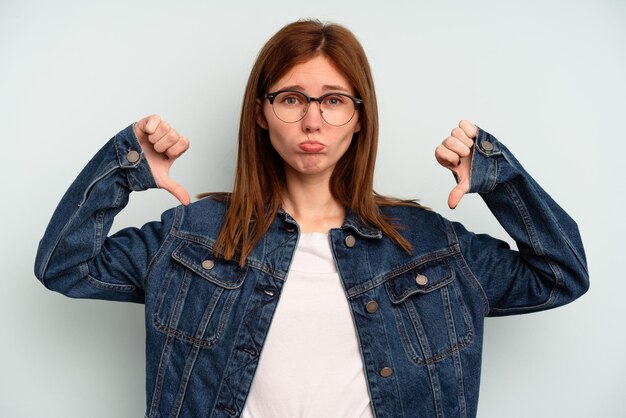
(260, 177)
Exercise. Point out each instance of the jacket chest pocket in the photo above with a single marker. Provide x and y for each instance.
(429, 312)
(195, 301)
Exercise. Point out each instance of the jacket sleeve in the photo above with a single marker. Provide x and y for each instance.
(75, 257)
(549, 269)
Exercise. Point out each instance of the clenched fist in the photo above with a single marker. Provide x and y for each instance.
(162, 145)
(455, 153)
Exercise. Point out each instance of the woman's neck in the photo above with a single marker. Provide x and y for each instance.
(309, 201)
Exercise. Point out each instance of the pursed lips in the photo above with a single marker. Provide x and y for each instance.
(311, 146)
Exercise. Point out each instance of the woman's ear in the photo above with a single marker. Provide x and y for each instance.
(260, 116)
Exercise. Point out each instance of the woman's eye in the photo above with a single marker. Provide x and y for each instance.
(291, 100)
(334, 100)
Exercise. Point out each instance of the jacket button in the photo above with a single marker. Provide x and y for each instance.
(421, 279)
(350, 241)
(487, 146)
(132, 156)
(371, 306)
(208, 264)
(386, 371)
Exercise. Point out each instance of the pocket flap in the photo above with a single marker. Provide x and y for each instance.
(200, 259)
(422, 279)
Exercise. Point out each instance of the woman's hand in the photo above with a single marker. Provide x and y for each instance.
(162, 146)
(455, 153)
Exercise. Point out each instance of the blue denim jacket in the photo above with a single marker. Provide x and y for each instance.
(419, 317)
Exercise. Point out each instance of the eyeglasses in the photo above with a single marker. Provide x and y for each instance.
(290, 106)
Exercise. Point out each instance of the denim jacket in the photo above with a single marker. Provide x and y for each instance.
(419, 317)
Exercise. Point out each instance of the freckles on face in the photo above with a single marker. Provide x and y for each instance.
(310, 145)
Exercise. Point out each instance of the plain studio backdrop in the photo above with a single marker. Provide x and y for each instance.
(546, 78)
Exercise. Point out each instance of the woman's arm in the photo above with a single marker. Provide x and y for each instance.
(75, 257)
(549, 269)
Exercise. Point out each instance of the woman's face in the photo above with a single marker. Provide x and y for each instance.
(310, 146)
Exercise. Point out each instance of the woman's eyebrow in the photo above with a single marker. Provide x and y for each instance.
(325, 87)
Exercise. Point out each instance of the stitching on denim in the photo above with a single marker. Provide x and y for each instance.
(453, 240)
(176, 310)
(572, 247)
(165, 244)
(536, 244)
(404, 336)
(429, 357)
(204, 343)
(110, 286)
(432, 374)
(494, 176)
(179, 256)
(178, 401)
(472, 278)
(44, 265)
(430, 287)
(250, 262)
(456, 357)
(376, 281)
(158, 384)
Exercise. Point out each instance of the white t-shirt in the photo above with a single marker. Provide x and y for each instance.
(311, 364)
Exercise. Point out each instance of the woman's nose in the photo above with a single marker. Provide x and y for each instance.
(312, 120)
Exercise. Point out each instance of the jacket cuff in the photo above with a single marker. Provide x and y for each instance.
(132, 160)
(484, 172)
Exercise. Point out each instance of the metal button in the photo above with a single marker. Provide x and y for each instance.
(208, 264)
(386, 371)
(371, 306)
(421, 279)
(132, 156)
(350, 241)
(487, 146)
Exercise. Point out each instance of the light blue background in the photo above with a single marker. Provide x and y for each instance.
(547, 78)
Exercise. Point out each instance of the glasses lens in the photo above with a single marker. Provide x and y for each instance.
(336, 109)
(290, 106)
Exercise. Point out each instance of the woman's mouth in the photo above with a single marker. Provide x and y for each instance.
(311, 147)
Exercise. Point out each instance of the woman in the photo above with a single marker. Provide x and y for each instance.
(382, 301)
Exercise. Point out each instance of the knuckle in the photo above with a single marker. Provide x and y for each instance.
(153, 120)
(457, 132)
(171, 136)
(448, 142)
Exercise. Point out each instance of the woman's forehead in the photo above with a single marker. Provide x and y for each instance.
(317, 74)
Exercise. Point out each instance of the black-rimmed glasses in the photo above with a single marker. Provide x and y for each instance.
(290, 106)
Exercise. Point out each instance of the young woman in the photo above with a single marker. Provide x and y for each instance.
(382, 301)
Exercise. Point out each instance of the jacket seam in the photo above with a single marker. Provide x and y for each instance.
(537, 248)
(166, 242)
(45, 265)
(127, 288)
(470, 274)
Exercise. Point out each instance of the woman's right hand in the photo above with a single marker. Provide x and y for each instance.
(161, 146)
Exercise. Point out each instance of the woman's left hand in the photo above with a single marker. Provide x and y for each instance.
(455, 153)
